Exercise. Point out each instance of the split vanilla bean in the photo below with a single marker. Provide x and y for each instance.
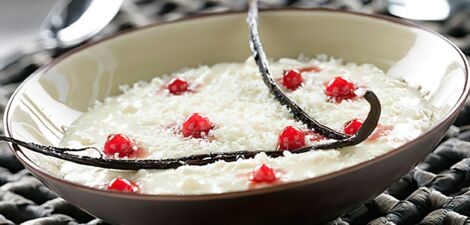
(337, 139)
(203, 159)
(262, 62)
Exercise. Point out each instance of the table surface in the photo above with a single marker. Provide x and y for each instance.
(436, 192)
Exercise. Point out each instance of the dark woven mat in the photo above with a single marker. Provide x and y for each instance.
(435, 193)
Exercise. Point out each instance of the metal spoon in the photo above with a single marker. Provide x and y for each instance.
(420, 9)
(427, 10)
(69, 23)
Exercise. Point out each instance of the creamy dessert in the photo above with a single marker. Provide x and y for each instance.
(227, 107)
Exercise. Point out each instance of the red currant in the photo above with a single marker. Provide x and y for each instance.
(340, 88)
(177, 86)
(352, 127)
(119, 144)
(123, 185)
(291, 138)
(292, 79)
(196, 126)
(263, 174)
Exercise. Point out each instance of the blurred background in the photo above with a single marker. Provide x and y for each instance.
(34, 32)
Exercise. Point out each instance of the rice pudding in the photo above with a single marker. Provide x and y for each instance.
(227, 107)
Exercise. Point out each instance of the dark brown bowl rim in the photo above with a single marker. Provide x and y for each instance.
(36, 168)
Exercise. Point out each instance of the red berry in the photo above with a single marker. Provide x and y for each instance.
(292, 79)
(123, 185)
(291, 138)
(196, 126)
(178, 86)
(118, 143)
(352, 127)
(263, 174)
(340, 89)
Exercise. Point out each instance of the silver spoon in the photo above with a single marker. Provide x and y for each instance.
(69, 23)
(427, 10)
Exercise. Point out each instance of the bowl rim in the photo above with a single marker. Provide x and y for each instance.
(31, 165)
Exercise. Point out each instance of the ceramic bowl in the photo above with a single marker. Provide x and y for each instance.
(58, 93)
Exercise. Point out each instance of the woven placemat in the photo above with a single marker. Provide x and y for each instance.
(434, 193)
